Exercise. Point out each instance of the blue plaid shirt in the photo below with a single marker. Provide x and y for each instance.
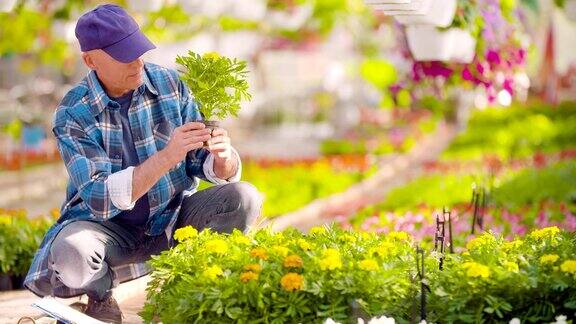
(89, 134)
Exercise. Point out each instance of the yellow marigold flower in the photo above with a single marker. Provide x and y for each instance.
(547, 232)
(399, 236)
(480, 241)
(331, 260)
(254, 267)
(259, 253)
(317, 230)
(293, 261)
(348, 238)
(384, 249)
(211, 55)
(549, 258)
(280, 250)
(367, 235)
(474, 269)
(292, 281)
(213, 272)
(247, 276)
(511, 266)
(507, 246)
(55, 212)
(241, 240)
(304, 245)
(568, 266)
(185, 233)
(216, 246)
(368, 265)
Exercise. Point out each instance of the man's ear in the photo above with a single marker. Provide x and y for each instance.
(88, 60)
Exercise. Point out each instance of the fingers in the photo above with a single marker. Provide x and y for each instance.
(219, 139)
(201, 138)
(218, 147)
(193, 146)
(191, 126)
(219, 131)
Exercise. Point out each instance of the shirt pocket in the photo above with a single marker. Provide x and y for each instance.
(163, 132)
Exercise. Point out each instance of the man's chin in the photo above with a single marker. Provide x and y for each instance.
(136, 84)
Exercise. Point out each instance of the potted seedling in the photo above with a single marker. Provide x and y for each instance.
(218, 84)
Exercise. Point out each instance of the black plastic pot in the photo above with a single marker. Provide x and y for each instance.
(5, 282)
(11, 282)
(211, 124)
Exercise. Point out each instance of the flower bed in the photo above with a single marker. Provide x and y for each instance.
(520, 131)
(288, 186)
(332, 273)
(19, 240)
(518, 201)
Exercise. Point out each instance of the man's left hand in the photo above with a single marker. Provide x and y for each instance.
(220, 145)
(225, 163)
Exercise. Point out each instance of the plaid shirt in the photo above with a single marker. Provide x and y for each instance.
(89, 134)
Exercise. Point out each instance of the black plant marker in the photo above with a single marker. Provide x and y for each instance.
(448, 216)
(439, 238)
(423, 286)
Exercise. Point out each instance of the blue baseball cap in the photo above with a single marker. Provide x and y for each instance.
(110, 28)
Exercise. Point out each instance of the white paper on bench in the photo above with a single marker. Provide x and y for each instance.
(64, 313)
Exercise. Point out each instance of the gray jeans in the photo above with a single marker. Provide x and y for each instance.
(83, 252)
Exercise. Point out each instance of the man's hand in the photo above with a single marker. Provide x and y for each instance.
(184, 139)
(225, 163)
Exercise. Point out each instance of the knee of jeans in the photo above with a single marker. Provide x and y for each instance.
(76, 257)
(247, 198)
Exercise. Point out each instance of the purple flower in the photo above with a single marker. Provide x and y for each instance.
(467, 75)
(493, 57)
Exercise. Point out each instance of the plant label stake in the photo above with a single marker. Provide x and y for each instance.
(423, 285)
(448, 216)
(475, 203)
(482, 208)
(439, 238)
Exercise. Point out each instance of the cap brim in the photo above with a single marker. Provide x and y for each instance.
(130, 48)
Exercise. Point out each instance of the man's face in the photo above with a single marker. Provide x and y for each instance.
(116, 76)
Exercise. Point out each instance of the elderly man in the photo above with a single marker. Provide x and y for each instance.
(130, 137)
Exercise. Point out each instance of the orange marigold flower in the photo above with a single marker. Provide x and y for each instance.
(259, 253)
(292, 281)
(293, 261)
(253, 267)
(247, 276)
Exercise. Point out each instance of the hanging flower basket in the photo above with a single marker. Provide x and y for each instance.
(439, 13)
(428, 43)
(7, 5)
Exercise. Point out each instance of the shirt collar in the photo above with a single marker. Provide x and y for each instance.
(99, 100)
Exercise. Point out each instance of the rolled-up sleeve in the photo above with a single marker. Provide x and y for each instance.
(88, 166)
(120, 188)
(211, 175)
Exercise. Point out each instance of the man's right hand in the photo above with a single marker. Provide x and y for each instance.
(184, 139)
